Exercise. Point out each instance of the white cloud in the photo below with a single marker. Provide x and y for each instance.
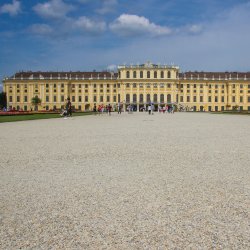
(11, 9)
(40, 29)
(133, 25)
(87, 25)
(194, 29)
(53, 9)
(112, 67)
(107, 6)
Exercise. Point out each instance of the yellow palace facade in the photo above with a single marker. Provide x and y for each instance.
(138, 85)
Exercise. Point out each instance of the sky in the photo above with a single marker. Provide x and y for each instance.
(86, 35)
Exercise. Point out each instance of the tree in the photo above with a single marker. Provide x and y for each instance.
(3, 100)
(36, 101)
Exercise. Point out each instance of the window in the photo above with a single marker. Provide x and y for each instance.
(73, 86)
(108, 98)
(127, 74)
(134, 74)
(134, 98)
(195, 98)
(155, 85)
(127, 98)
(155, 74)
(94, 85)
(134, 85)
(47, 107)
(195, 86)
(95, 98)
(47, 85)
(233, 99)
(248, 98)
(127, 85)
(162, 85)
(118, 85)
(148, 98)
(62, 85)
(233, 86)
(162, 98)
(62, 98)
(216, 98)
(80, 86)
(201, 98)
(18, 86)
(148, 74)
(169, 74)
(141, 74)
(241, 98)
(47, 98)
(73, 98)
(141, 85)
(210, 99)
(181, 98)
(168, 98)
(188, 85)
(10, 98)
(141, 98)
(114, 98)
(86, 98)
(79, 99)
(241, 86)
(210, 86)
(25, 108)
(169, 85)
(148, 85)
(25, 98)
(188, 98)
(216, 86)
(155, 97)
(107, 85)
(54, 85)
(162, 74)
(222, 99)
(54, 98)
(201, 86)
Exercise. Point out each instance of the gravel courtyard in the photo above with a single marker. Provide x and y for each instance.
(132, 181)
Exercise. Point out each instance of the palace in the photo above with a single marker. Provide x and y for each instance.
(133, 84)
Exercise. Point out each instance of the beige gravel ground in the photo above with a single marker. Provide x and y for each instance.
(135, 181)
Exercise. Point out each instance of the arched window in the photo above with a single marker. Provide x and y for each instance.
(128, 74)
(155, 97)
(134, 98)
(169, 74)
(155, 74)
(168, 98)
(141, 74)
(162, 98)
(134, 74)
(148, 74)
(162, 74)
(148, 98)
(141, 98)
(127, 98)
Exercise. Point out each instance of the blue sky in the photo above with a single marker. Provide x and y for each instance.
(59, 35)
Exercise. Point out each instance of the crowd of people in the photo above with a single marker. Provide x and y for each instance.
(107, 109)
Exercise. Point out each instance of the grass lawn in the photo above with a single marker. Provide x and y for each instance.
(14, 118)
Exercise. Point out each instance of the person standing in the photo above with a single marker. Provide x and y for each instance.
(119, 108)
(149, 109)
(109, 109)
(69, 107)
